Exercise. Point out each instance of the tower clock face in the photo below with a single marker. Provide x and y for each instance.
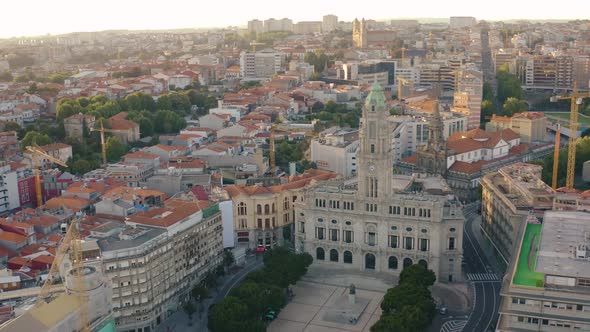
(371, 168)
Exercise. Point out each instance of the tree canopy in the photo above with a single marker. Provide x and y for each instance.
(35, 137)
(114, 148)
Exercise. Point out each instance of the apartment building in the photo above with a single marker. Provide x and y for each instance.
(530, 126)
(256, 26)
(335, 150)
(264, 215)
(468, 95)
(508, 198)
(273, 25)
(547, 287)
(329, 23)
(462, 22)
(156, 257)
(9, 146)
(261, 64)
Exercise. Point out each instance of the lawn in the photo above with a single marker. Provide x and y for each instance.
(585, 121)
(525, 270)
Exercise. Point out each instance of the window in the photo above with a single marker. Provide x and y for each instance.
(371, 238)
(259, 221)
(369, 261)
(407, 262)
(372, 148)
(452, 229)
(243, 223)
(320, 220)
(347, 257)
(286, 203)
(333, 255)
(320, 254)
(319, 233)
(334, 221)
(242, 211)
(302, 226)
(266, 209)
(408, 243)
(584, 282)
(333, 234)
(259, 209)
(408, 229)
(393, 241)
(392, 263)
(348, 237)
(267, 223)
(348, 223)
(451, 243)
(424, 230)
(424, 244)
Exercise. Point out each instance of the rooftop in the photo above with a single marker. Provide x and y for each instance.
(525, 274)
(564, 249)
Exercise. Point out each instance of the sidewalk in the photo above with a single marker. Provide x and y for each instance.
(493, 257)
(179, 321)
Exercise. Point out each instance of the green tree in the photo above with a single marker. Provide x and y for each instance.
(34, 137)
(115, 149)
(417, 274)
(228, 258)
(13, 126)
(508, 85)
(258, 297)
(230, 315)
(189, 309)
(513, 106)
(487, 109)
(488, 92)
(81, 166)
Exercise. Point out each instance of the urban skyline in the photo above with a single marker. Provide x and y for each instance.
(50, 18)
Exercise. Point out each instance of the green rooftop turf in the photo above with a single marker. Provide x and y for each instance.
(525, 270)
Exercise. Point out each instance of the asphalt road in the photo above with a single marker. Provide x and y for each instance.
(486, 289)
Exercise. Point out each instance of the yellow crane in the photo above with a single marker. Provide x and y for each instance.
(556, 156)
(400, 87)
(575, 100)
(103, 148)
(36, 153)
(71, 243)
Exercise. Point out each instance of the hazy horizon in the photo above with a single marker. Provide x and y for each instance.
(67, 16)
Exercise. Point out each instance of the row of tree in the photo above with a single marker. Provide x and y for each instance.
(509, 95)
(409, 306)
(246, 305)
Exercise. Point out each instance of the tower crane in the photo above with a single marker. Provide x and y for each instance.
(36, 153)
(556, 156)
(71, 243)
(575, 100)
(103, 148)
(400, 86)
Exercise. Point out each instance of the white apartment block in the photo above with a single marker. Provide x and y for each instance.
(260, 65)
(335, 150)
(329, 23)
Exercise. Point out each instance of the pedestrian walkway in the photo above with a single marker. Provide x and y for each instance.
(453, 326)
(482, 277)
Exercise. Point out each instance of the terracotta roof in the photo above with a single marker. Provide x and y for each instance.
(529, 115)
(71, 203)
(5, 251)
(12, 237)
(501, 118)
(118, 122)
(411, 159)
(127, 193)
(295, 182)
(174, 210)
(465, 167)
(461, 142)
(141, 155)
(169, 147)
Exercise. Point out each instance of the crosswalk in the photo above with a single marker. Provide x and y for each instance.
(482, 277)
(453, 326)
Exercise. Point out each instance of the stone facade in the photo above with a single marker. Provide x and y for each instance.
(379, 221)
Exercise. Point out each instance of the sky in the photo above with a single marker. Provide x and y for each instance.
(40, 17)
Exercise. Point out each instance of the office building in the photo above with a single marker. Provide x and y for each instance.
(547, 287)
(335, 150)
(508, 197)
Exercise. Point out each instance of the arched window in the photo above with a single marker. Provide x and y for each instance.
(320, 254)
(266, 209)
(423, 263)
(407, 262)
(242, 211)
(333, 255)
(392, 262)
(273, 208)
(347, 257)
(369, 261)
(259, 209)
(286, 203)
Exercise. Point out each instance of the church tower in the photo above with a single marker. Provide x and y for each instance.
(432, 157)
(375, 159)
(359, 33)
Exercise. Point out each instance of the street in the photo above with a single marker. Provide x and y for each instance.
(484, 276)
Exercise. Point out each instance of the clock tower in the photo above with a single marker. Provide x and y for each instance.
(375, 159)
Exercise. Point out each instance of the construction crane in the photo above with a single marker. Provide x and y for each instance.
(71, 243)
(36, 153)
(400, 86)
(103, 148)
(556, 156)
(272, 152)
(575, 101)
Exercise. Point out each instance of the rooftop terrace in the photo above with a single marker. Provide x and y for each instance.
(525, 274)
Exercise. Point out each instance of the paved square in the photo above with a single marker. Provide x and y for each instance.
(313, 301)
